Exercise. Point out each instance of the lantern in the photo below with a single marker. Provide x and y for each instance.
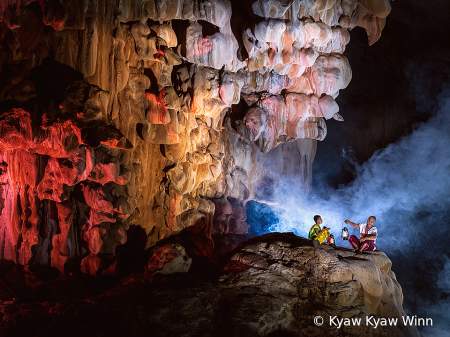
(344, 233)
(331, 237)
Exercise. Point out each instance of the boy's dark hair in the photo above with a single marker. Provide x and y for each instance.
(316, 217)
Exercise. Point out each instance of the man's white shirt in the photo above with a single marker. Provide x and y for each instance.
(362, 230)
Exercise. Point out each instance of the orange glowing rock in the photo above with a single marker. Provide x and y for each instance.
(91, 264)
(30, 237)
(95, 241)
(174, 209)
(23, 177)
(122, 143)
(206, 98)
(95, 198)
(172, 133)
(15, 130)
(57, 22)
(197, 105)
(157, 112)
(97, 217)
(160, 56)
(61, 252)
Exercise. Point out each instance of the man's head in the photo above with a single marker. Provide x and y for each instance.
(317, 219)
(371, 220)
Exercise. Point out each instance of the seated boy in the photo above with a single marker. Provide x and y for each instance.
(316, 233)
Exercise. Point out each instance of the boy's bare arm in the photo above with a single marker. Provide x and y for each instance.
(319, 233)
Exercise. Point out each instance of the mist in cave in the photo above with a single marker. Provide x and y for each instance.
(407, 187)
(404, 183)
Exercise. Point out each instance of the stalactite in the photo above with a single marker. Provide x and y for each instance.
(160, 114)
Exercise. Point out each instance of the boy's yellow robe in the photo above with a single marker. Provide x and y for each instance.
(312, 234)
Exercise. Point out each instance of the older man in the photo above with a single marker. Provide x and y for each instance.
(368, 235)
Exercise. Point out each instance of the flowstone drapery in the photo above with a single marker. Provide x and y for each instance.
(167, 115)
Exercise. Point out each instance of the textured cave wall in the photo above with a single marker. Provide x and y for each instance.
(159, 115)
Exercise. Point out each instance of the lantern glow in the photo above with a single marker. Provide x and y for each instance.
(331, 240)
(344, 233)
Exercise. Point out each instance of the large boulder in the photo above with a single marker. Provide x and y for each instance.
(273, 285)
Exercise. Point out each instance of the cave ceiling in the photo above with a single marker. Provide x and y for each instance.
(168, 116)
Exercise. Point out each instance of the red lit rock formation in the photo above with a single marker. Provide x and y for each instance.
(168, 259)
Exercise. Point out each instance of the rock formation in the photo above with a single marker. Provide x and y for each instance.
(273, 285)
(165, 115)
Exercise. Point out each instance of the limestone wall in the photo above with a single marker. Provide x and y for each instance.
(159, 114)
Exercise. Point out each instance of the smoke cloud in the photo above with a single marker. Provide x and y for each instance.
(407, 187)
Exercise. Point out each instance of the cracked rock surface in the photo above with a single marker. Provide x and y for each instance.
(272, 285)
